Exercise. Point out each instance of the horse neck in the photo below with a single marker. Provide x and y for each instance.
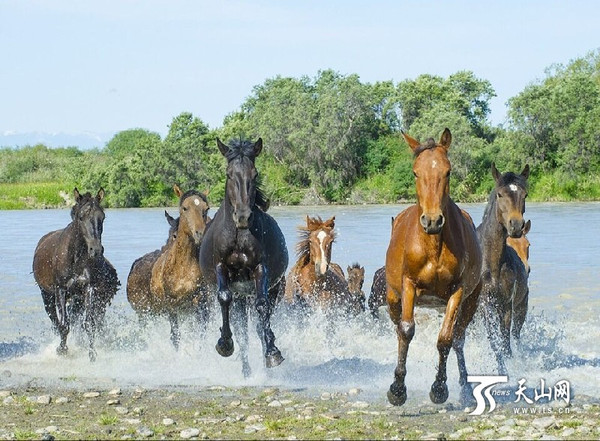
(75, 242)
(183, 250)
(493, 235)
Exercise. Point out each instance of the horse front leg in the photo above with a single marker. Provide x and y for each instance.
(493, 323)
(439, 388)
(240, 324)
(264, 308)
(63, 320)
(91, 315)
(401, 309)
(175, 333)
(225, 344)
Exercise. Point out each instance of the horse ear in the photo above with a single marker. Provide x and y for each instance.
(527, 227)
(222, 147)
(525, 172)
(495, 172)
(258, 145)
(76, 194)
(100, 195)
(330, 223)
(446, 138)
(177, 190)
(170, 219)
(206, 192)
(412, 142)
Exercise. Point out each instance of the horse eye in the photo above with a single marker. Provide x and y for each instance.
(415, 173)
(499, 195)
(184, 208)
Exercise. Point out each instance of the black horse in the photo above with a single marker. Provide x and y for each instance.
(74, 276)
(244, 255)
(504, 293)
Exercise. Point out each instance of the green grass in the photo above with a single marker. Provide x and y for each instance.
(26, 434)
(20, 196)
(108, 420)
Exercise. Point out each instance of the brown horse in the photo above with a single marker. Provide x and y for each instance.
(73, 275)
(521, 245)
(140, 274)
(433, 258)
(356, 279)
(377, 297)
(176, 281)
(314, 281)
(504, 292)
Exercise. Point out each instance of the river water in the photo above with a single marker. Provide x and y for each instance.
(560, 337)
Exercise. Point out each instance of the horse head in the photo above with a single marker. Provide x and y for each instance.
(193, 211)
(173, 227)
(356, 278)
(521, 245)
(431, 168)
(88, 216)
(511, 192)
(319, 238)
(241, 185)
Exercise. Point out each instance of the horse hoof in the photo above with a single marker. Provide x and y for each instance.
(274, 359)
(439, 392)
(397, 395)
(62, 350)
(92, 355)
(225, 347)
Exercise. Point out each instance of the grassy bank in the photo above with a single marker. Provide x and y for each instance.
(35, 195)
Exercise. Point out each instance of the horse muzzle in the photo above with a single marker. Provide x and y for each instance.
(242, 219)
(432, 224)
(321, 268)
(515, 228)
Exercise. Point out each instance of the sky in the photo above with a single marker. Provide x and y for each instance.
(100, 67)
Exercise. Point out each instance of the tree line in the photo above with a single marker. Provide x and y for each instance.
(334, 139)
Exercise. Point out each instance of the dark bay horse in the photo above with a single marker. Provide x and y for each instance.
(140, 274)
(356, 279)
(73, 275)
(433, 259)
(377, 297)
(244, 255)
(176, 281)
(505, 292)
(314, 281)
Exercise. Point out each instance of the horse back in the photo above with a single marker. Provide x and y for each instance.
(44, 259)
(274, 249)
(138, 282)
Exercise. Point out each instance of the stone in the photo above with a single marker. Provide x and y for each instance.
(121, 410)
(5, 393)
(145, 432)
(543, 423)
(61, 400)
(274, 403)
(44, 399)
(354, 391)
(92, 394)
(168, 422)
(114, 392)
(189, 433)
(8, 400)
(113, 402)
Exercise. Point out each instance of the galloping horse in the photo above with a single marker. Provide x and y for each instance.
(176, 283)
(244, 255)
(504, 293)
(73, 275)
(356, 279)
(433, 258)
(314, 280)
(377, 297)
(140, 274)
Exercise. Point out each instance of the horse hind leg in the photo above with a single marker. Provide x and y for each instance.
(495, 330)
(240, 326)
(519, 316)
(175, 332)
(264, 308)
(50, 307)
(63, 320)
(91, 321)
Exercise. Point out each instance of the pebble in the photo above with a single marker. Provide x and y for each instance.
(51, 429)
(168, 422)
(44, 399)
(569, 431)
(354, 391)
(132, 420)
(543, 423)
(8, 400)
(4, 393)
(274, 403)
(61, 400)
(326, 396)
(91, 394)
(145, 432)
(189, 433)
(114, 392)
(253, 418)
(255, 428)
(360, 404)
(235, 403)
(113, 402)
(122, 410)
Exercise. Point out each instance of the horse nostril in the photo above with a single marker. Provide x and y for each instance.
(440, 221)
(424, 221)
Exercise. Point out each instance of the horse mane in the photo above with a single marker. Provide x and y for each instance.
(427, 145)
(303, 246)
(189, 193)
(355, 265)
(239, 148)
(85, 198)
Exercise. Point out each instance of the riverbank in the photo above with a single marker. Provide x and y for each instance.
(262, 412)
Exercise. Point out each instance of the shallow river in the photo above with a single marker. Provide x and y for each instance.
(560, 338)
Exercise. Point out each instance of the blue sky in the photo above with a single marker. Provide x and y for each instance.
(105, 66)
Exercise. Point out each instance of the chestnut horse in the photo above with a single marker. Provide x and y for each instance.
(176, 282)
(433, 259)
(521, 245)
(244, 255)
(504, 292)
(73, 275)
(140, 274)
(314, 281)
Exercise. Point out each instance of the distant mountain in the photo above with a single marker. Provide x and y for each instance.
(83, 140)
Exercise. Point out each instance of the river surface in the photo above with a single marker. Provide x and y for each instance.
(560, 337)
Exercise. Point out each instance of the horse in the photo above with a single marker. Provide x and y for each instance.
(377, 297)
(244, 255)
(433, 259)
(176, 281)
(356, 279)
(504, 293)
(140, 274)
(314, 281)
(72, 273)
(521, 245)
